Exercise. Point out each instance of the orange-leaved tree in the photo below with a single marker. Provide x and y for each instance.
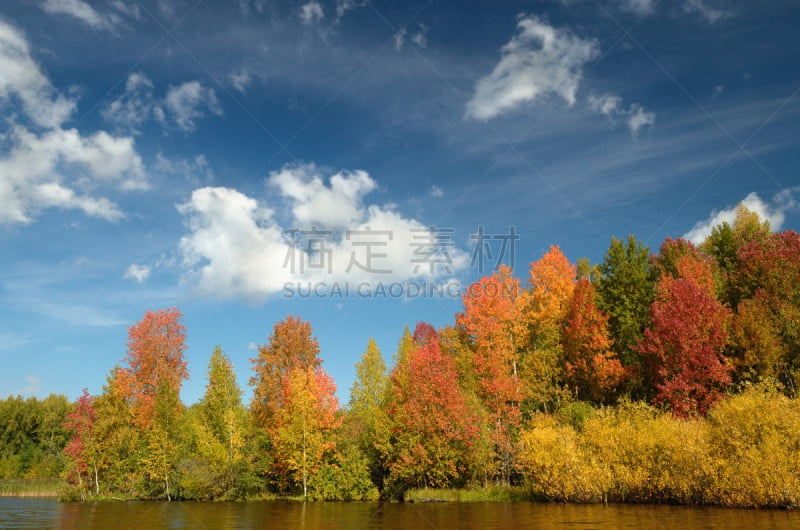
(156, 362)
(492, 318)
(290, 346)
(591, 367)
(552, 281)
(151, 386)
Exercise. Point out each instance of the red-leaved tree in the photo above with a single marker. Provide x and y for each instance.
(684, 342)
(82, 448)
(433, 427)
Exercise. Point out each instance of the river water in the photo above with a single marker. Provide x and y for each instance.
(275, 515)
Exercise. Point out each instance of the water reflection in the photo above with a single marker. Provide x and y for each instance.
(47, 513)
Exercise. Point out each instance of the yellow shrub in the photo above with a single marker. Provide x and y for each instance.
(755, 444)
(556, 466)
(651, 456)
(746, 453)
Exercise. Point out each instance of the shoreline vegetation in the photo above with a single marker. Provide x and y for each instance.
(32, 487)
(666, 378)
(744, 454)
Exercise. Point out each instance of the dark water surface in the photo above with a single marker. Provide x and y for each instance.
(48, 513)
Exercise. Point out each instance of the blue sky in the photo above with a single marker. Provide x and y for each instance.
(158, 153)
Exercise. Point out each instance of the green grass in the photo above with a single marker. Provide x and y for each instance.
(30, 487)
(496, 493)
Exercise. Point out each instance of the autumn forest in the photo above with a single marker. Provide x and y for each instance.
(652, 376)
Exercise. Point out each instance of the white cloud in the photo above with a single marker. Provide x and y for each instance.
(638, 118)
(167, 8)
(22, 80)
(240, 80)
(343, 6)
(187, 103)
(129, 9)
(639, 7)
(399, 38)
(11, 341)
(36, 167)
(53, 194)
(136, 106)
(196, 170)
(32, 172)
(635, 116)
(774, 213)
(138, 273)
(539, 60)
(420, 38)
(82, 11)
(29, 386)
(719, 89)
(233, 248)
(182, 104)
(311, 13)
(436, 191)
(257, 5)
(236, 247)
(607, 104)
(702, 7)
(32, 386)
(314, 203)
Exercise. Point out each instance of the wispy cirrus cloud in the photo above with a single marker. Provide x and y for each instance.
(115, 15)
(30, 385)
(11, 341)
(635, 116)
(707, 9)
(82, 11)
(639, 7)
(343, 6)
(182, 105)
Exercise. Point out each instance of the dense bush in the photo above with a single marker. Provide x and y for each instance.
(755, 445)
(559, 467)
(746, 453)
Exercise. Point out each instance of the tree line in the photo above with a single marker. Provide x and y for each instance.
(547, 384)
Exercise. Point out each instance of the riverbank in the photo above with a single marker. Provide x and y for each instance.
(31, 487)
(492, 494)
